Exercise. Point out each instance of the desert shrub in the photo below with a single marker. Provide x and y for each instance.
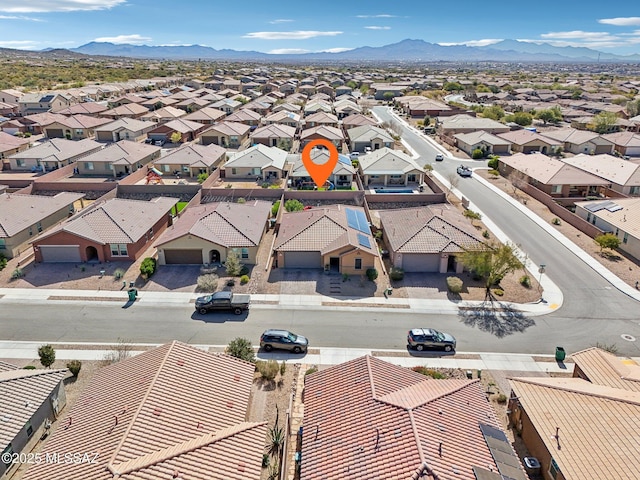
(611, 348)
(265, 185)
(555, 221)
(525, 281)
(372, 274)
(29, 367)
(494, 172)
(472, 215)
(498, 292)
(244, 270)
(241, 200)
(119, 352)
(274, 208)
(311, 370)
(241, 348)
(232, 264)
(268, 369)
(265, 460)
(3, 262)
(228, 185)
(502, 399)
(231, 282)
(345, 277)
(293, 205)
(27, 134)
(47, 355)
(208, 282)
(74, 367)
(493, 162)
(283, 368)
(17, 273)
(148, 267)
(486, 234)
(244, 279)
(477, 154)
(202, 177)
(429, 372)
(454, 284)
(396, 274)
(118, 273)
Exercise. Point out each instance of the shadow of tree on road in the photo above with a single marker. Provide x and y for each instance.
(497, 318)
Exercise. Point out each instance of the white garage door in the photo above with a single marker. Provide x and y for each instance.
(60, 253)
(419, 262)
(302, 260)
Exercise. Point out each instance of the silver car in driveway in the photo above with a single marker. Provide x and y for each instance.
(428, 338)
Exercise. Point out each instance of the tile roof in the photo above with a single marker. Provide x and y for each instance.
(194, 155)
(86, 108)
(59, 149)
(626, 139)
(18, 212)
(282, 116)
(467, 121)
(131, 124)
(164, 112)
(230, 128)
(116, 220)
(367, 133)
(232, 225)
(358, 119)
(616, 170)
(525, 137)
(258, 156)
(79, 121)
(274, 130)
(12, 141)
(367, 418)
(123, 152)
(571, 135)
(182, 126)
(386, 161)
(321, 230)
(321, 117)
(205, 114)
(331, 133)
(318, 156)
(603, 368)
(22, 393)
(473, 138)
(599, 427)
(173, 409)
(244, 115)
(134, 109)
(428, 229)
(550, 171)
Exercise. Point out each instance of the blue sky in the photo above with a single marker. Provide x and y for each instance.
(300, 26)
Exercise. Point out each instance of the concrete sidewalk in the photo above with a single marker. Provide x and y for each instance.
(320, 356)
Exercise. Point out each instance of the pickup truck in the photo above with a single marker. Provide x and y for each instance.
(464, 171)
(237, 303)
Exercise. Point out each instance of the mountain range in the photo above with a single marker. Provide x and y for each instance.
(405, 51)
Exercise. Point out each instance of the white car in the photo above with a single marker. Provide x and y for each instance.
(439, 157)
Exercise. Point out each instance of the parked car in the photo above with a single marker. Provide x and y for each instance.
(423, 338)
(237, 303)
(353, 155)
(159, 143)
(439, 157)
(284, 340)
(464, 171)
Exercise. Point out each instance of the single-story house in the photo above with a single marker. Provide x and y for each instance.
(487, 142)
(23, 217)
(258, 161)
(554, 177)
(246, 116)
(295, 108)
(10, 144)
(320, 118)
(29, 401)
(427, 239)
(317, 106)
(336, 237)
(75, 127)
(163, 115)
(563, 421)
(526, 141)
(85, 108)
(386, 422)
(125, 100)
(188, 130)
(357, 120)
(620, 216)
(118, 159)
(55, 153)
(226, 134)
(34, 124)
(580, 141)
(274, 135)
(206, 116)
(418, 106)
(173, 412)
(342, 175)
(128, 110)
(31, 103)
(344, 108)
(389, 167)
(192, 160)
(333, 134)
(463, 123)
(623, 175)
(283, 117)
(227, 105)
(159, 103)
(368, 136)
(124, 129)
(625, 143)
(111, 230)
(205, 234)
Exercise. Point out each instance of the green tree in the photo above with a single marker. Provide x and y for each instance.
(452, 87)
(608, 241)
(550, 115)
(47, 355)
(274, 208)
(492, 261)
(494, 112)
(388, 96)
(352, 85)
(176, 137)
(293, 205)
(241, 348)
(523, 119)
(604, 122)
(233, 264)
(633, 108)
(148, 267)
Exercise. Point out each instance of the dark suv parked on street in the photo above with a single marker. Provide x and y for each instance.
(423, 338)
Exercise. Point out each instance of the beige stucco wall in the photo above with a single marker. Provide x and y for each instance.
(347, 260)
(206, 246)
(20, 242)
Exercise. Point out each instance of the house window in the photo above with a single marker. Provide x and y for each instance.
(166, 168)
(233, 139)
(30, 231)
(234, 171)
(634, 190)
(20, 162)
(79, 132)
(151, 232)
(554, 469)
(588, 216)
(88, 165)
(118, 250)
(245, 253)
(358, 264)
(185, 168)
(39, 226)
(625, 239)
(396, 176)
(255, 171)
(556, 189)
(29, 428)
(412, 177)
(3, 244)
(617, 231)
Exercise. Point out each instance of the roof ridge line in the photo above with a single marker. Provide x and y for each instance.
(143, 400)
(115, 222)
(324, 215)
(629, 401)
(370, 374)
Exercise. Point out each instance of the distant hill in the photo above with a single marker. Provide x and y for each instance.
(406, 50)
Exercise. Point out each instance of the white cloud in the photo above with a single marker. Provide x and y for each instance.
(577, 34)
(134, 39)
(375, 27)
(288, 51)
(20, 44)
(294, 35)
(621, 21)
(20, 17)
(337, 49)
(473, 43)
(30, 6)
(280, 20)
(382, 15)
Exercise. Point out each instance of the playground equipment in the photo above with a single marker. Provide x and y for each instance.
(154, 177)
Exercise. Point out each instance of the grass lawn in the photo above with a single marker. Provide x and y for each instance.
(181, 206)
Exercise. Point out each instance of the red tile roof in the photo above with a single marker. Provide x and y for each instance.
(172, 409)
(371, 419)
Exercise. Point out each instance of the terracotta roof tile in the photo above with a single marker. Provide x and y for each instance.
(604, 368)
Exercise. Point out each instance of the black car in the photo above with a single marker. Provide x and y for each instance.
(284, 340)
(423, 338)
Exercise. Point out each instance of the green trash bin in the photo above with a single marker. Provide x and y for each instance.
(133, 293)
(560, 354)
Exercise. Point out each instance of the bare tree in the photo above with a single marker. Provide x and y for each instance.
(518, 181)
(453, 180)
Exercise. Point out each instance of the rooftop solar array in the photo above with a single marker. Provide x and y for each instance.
(357, 220)
(605, 205)
(364, 241)
(506, 460)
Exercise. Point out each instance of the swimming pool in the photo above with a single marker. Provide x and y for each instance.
(393, 190)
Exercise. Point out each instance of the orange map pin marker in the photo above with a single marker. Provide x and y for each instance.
(320, 172)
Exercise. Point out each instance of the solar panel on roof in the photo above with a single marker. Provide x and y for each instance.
(502, 453)
(593, 207)
(614, 208)
(357, 220)
(364, 241)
